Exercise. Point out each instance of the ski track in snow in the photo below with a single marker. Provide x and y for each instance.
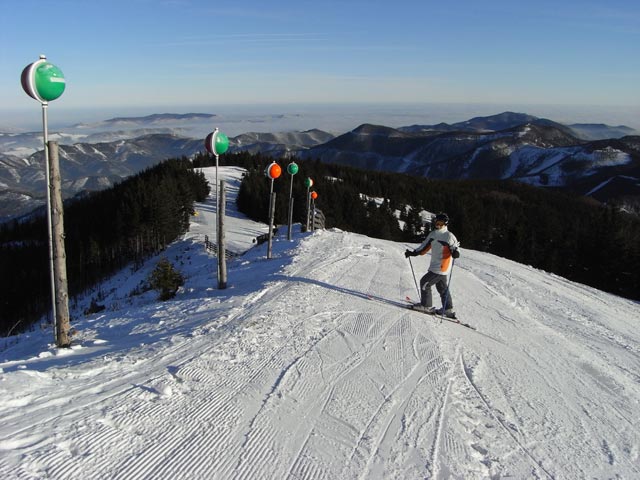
(309, 367)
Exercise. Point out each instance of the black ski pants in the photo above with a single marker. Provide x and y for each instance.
(440, 281)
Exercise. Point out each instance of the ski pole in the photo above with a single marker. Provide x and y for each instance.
(414, 278)
(446, 292)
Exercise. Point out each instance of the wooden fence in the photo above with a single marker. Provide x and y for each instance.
(212, 248)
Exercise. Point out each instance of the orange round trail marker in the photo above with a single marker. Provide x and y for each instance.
(274, 171)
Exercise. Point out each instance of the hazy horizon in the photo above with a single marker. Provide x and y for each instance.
(335, 118)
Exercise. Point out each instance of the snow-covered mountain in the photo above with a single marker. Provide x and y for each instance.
(188, 125)
(84, 167)
(309, 366)
(95, 166)
(278, 145)
(538, 153)
(492, 123)
(506, 120)
(600, 131)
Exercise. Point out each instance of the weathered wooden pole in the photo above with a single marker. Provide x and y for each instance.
(289, 231)
(222, 258)
(59, 252)
(272, 212)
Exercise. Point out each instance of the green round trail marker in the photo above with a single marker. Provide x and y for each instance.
(216, 142)
(43, 81)
(292, 168)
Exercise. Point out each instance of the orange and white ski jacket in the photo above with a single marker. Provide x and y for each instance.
(440, 242)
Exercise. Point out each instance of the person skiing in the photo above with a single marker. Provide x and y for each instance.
(443, 246)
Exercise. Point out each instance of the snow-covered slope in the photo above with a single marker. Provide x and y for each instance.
(308, 366)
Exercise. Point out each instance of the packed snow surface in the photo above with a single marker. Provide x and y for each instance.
(309, 366)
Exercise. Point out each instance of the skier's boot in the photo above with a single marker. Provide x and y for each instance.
(421, 308)
(449, 313)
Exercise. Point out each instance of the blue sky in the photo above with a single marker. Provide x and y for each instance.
(144, 53)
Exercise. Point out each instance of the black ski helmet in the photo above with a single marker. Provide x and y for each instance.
(443, 217)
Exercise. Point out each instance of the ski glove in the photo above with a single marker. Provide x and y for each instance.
(410, 253)
(455, 253)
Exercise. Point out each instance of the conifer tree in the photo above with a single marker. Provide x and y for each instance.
(165, 279)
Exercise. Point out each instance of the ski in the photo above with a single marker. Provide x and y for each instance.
(442, 317)
(408, 304)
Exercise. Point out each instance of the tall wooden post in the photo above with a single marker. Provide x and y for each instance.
(289, 232)
(306, 228)
(272, 211)
(290, 216)
(59, 253)
(222, 257)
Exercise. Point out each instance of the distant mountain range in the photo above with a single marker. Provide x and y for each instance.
(591, 159)
(95, 166)
(506, 146)
(156, 118)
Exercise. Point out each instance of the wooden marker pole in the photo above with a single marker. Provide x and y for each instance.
(59, 253)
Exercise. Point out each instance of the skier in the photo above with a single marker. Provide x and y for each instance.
(443, 246)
